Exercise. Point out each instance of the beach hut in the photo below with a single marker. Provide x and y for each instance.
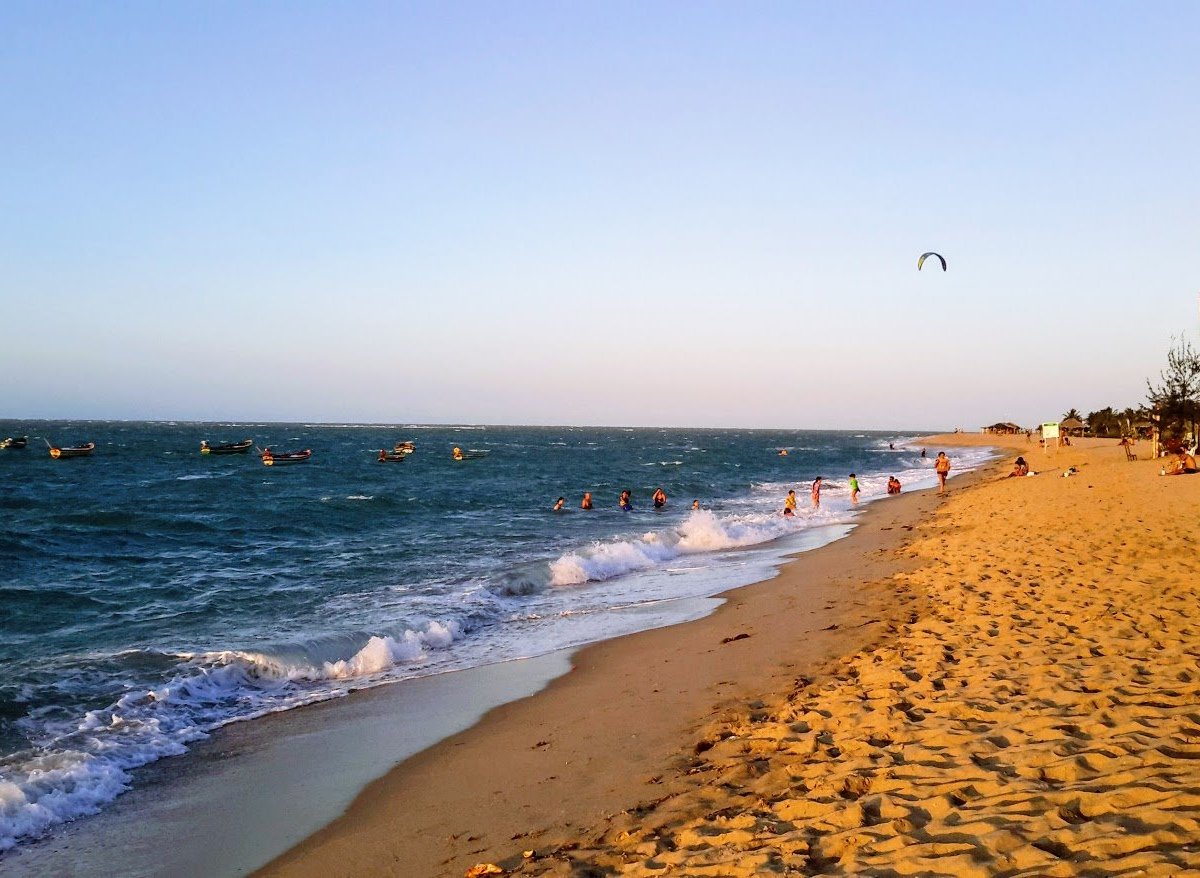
(1071, 427)
(1004, 428)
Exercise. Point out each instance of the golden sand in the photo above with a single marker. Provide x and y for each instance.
(1042, 717)
(1011, 686)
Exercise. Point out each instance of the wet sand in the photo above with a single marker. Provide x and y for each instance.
(626, 727)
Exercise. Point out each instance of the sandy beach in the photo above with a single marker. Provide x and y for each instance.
(1002, 680)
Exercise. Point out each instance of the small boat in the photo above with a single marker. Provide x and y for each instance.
(275, 458)
(386, 456)
(469, 454)
(77, 451)
(14, 442)
(404, 448)
(227, 448)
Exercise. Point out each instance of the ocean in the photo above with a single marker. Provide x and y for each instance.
(150, 595)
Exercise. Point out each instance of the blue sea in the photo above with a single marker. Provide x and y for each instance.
(150, 595)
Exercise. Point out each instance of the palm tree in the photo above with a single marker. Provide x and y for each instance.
(1073, 413)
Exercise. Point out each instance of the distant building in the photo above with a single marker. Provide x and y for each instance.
(1006, 428)
(1071, 427)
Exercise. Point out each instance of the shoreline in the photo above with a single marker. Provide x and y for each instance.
(595, 740)
(153, 829)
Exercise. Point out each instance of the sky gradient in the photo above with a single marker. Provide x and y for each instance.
(637, 214)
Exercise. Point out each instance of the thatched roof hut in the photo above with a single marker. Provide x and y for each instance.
(1071, 426)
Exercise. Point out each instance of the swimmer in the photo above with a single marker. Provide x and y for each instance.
(558, 504)
(695, 504)
(586, 503)
(626, 502)
(853, 488)
(660, 499)
(789, 503)
(816, 492)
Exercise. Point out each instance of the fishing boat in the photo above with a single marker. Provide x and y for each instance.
(404, 448)
(77, 451)
(14, 442)
(275, 458)
(227, 448)
(469, 454)
(386, 456)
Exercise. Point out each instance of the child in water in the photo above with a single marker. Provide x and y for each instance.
(789, 504)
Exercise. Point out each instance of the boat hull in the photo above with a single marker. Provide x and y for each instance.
(78, 451)
(228, 448)
(284, 458)
(14, 442)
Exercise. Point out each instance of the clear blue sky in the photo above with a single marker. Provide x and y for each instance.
(612, 213)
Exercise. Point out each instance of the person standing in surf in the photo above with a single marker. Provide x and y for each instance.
(789, 504)
(660, 498)
(853, 488)
(816, 492)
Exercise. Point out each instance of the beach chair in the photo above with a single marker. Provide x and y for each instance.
(1129, 452)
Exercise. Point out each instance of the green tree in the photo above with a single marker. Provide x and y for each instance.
(1073, 413)
(1175, 400)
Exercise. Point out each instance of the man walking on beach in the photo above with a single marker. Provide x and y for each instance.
(942, 467)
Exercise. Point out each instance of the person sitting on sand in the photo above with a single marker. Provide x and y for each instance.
(789, 503)
(1184, 464)
(587, 500)
(816, 492)
(893, 485)
(659, 498)
(1020, 468)
(942, 467)
(559, 503)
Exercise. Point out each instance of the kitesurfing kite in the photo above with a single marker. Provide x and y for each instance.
(925, 256)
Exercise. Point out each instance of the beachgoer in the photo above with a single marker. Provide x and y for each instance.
(695, 504)
(942, 467)
(1184, 464)
(816, 492)
(659, 498)
(626, 503)
(893, 485)
(922, 452)
(891, 446)
(558, 504)
(789, 503)
(587, 500)
(1020, 468)
(853, 488)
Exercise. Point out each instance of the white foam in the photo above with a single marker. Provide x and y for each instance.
(78, 771)
(701, 531)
